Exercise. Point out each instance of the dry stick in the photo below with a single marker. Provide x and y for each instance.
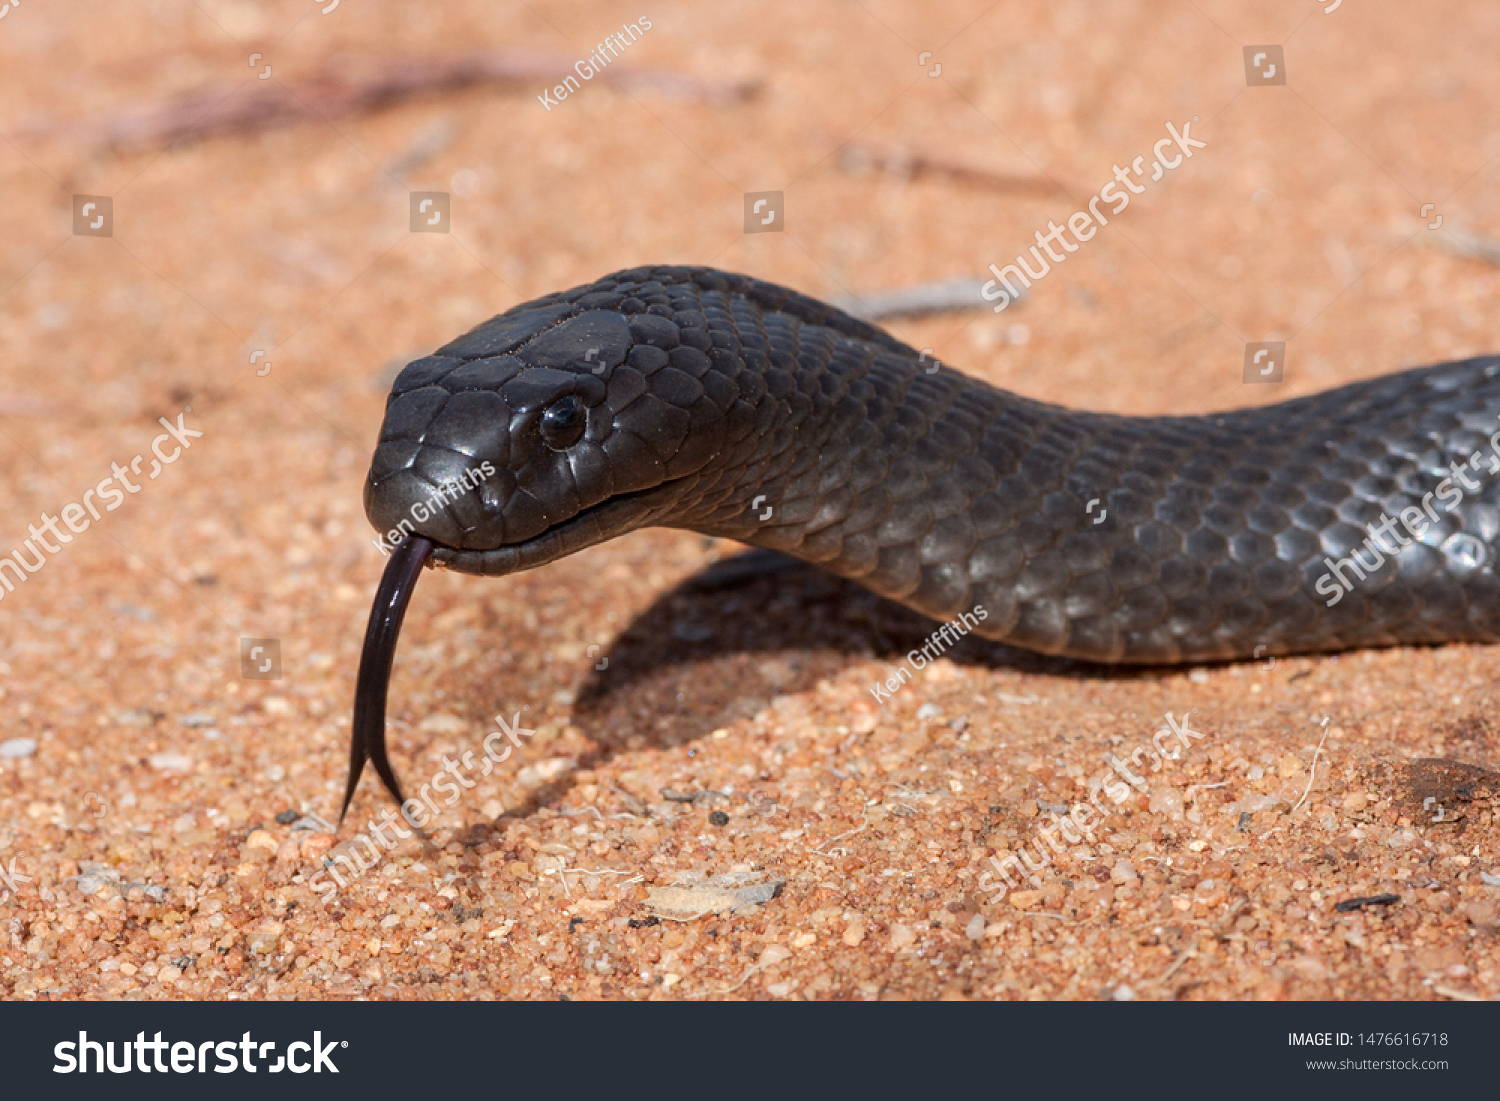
(1178, 964)
(430, 142)
(1194, 789)
(754, 967)
(904, 161)
(1463, 243)
(919, 300)
(847, 833)
(1313, 771)
(329, 95)
(560, 875)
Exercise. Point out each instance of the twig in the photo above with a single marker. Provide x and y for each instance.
(914, 793)
(1464, 243)
(562, 875)
(905, 161)
(919, 300)
(1194, 789)
(840, 837)
(430, 142)
(703, 795)
(1178, 964)
(754, 967)
(1313, 771)
(252, 105)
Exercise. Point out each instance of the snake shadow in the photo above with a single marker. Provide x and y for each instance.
(724, 643)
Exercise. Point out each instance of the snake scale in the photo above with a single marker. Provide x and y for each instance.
(687, 397)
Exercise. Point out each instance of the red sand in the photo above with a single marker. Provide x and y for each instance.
(144, 822)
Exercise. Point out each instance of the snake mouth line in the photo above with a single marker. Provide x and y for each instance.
(586, 528)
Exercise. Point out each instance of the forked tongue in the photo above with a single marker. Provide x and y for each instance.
(367, 737)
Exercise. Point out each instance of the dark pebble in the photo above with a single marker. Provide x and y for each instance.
(718, 818)
(287, 817)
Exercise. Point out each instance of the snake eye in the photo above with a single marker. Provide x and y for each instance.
(563, 423)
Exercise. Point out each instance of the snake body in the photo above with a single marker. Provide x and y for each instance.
(699, 399)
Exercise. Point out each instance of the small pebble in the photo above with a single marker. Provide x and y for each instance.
(1165, 800)
(1403, 838)
(18, 747)
(929, 711)
(718, 818)
(287, 817)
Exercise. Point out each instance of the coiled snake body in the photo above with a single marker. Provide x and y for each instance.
(693, 398)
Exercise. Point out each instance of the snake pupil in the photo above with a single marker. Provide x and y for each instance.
(563, 423)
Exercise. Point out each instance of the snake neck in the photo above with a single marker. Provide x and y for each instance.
(876, 464)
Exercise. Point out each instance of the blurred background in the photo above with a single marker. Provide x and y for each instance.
(254, 164)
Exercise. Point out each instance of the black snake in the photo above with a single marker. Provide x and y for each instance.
(692, 398)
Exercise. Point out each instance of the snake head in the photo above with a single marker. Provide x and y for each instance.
(549, 428)
(642, 399)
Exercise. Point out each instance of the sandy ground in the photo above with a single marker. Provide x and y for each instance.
(150, 793)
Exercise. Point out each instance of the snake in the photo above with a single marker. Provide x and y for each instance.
(692, 398)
